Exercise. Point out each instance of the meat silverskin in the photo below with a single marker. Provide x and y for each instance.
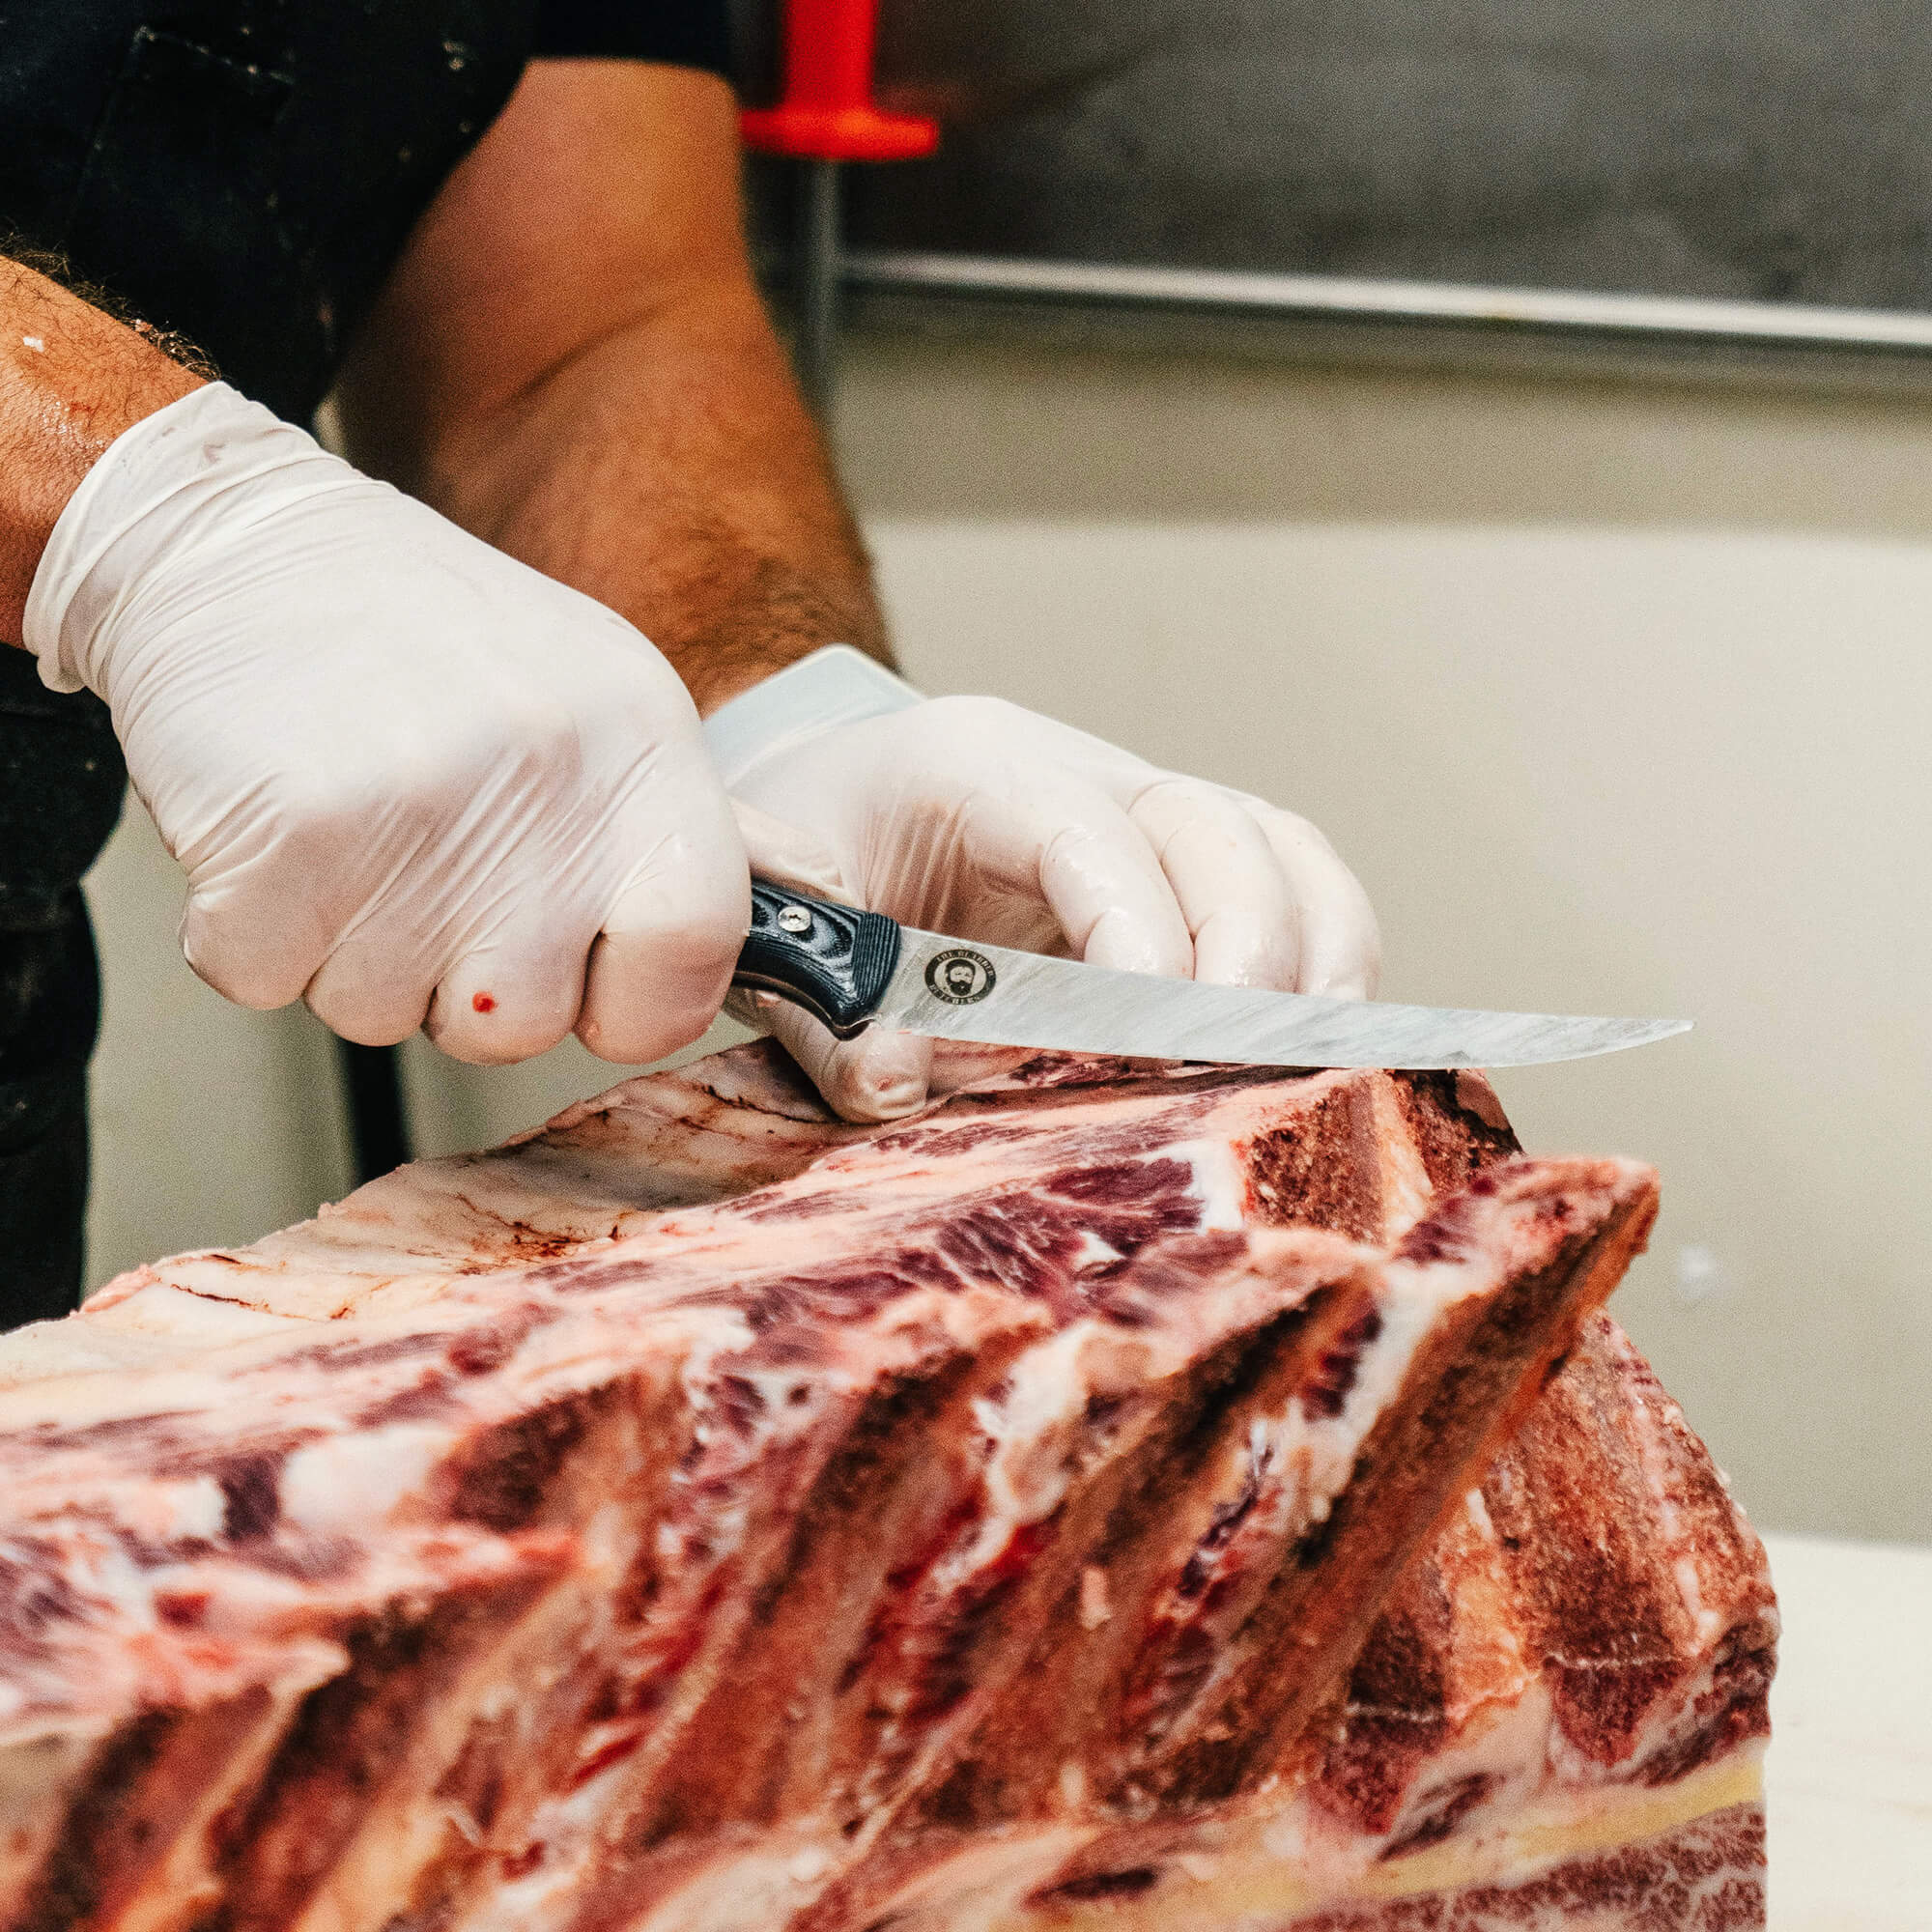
(1120, 1496)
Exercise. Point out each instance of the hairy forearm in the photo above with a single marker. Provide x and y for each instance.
(571, 359)
(71, 379)
(671, 471)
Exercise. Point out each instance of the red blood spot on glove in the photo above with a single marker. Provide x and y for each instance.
(484, 1002)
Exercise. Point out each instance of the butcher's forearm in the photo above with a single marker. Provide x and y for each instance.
(71, 379)
(672, 471)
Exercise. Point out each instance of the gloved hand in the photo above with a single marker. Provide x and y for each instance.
(971, 816)
(408, 776)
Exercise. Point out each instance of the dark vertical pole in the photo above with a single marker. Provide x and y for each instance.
(815, 349)
(372, 1085)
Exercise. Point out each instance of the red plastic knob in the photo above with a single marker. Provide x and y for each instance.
(827, 113)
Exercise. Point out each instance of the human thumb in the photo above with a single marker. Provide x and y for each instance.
(880, 1075)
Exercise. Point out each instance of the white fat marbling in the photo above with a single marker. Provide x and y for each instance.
(1220, 1182)
(348, 1483)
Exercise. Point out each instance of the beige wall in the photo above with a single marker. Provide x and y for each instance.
(1617, 696)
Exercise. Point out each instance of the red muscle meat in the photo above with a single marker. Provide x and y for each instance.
(1121, 1494)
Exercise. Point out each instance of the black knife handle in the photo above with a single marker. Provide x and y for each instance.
(835, 961)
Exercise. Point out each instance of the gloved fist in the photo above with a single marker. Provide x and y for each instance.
(971, 816)
(409, 777)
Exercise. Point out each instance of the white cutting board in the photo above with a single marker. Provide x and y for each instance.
(1850, 1772)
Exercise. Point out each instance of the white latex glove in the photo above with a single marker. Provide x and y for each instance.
(409, 777)
(971, 816)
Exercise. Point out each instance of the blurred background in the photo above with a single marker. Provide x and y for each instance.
(1546, 511)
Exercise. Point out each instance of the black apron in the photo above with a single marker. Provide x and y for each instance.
(245, 174)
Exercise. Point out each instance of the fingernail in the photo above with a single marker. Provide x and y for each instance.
(896, 1098)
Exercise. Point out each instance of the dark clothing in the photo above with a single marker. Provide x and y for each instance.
(243, 173)
(61, 779)
(683, 33)
(43, 1145)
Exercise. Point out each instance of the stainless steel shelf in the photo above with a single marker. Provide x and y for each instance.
(1360, 299)
(1366, 321)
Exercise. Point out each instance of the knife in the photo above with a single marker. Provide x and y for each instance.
(851, 969)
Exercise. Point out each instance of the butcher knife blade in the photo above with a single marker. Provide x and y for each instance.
(851, 969)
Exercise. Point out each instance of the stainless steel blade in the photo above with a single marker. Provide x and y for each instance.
(951, 990)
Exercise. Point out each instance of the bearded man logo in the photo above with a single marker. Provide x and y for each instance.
(959, 976)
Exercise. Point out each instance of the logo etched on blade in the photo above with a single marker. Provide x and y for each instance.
(959, 976)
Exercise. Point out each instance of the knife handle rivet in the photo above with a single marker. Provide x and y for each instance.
(794, 918)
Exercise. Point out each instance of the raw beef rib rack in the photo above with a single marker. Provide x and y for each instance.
(1121, 1497)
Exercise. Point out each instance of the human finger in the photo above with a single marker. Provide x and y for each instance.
(1226, 880)
(509, 1000)
(371, 992)
(1069, 841)
(880, 1075)
(1341, 941)
(254, 939)
(660, 967)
